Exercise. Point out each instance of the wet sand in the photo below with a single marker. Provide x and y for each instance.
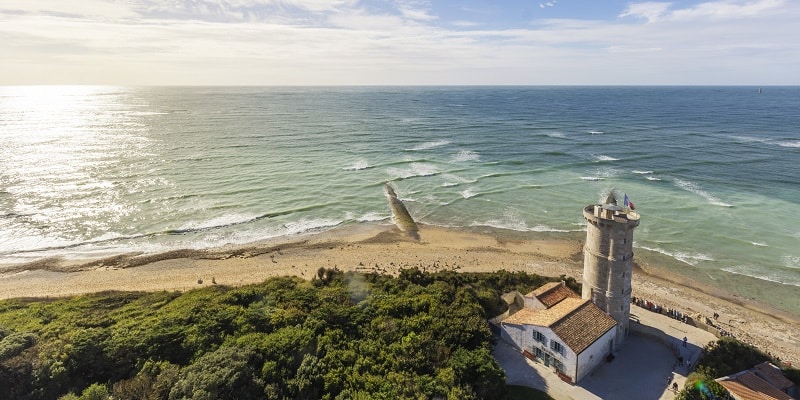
(385, 249)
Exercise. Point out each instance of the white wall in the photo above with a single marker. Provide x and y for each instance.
(522, 337)
(596, 353)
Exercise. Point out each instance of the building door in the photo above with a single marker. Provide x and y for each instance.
(548, 358)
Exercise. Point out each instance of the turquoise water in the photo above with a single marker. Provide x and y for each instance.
(93, 171)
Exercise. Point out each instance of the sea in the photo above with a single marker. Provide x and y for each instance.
(94, 171)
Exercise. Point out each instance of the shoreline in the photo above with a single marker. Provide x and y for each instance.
(385, 249)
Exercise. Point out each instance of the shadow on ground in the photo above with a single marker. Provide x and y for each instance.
(643, 369)
(518, 369)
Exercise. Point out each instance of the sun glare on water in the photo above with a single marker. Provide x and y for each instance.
(58, 142)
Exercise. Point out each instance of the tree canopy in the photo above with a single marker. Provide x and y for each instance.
(339, 336)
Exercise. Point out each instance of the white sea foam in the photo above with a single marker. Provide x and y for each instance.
(545, 228)
(468, 193)
(782, 143)
(413, 170)
(503, 224)
(556, 135)
(521, 226)
(222, 220)
(692, 259)
(694, 188)
(601, 157)
(642, 172)
(764, 274)
(455, 180)
(792, 262)
(308, 224)
(684, 257)
(430, 145)
(357, 166)
(511, 219)
(601, 174)
(466, 155)
(596, 132)
(748, 139)
(653, 178)
(759, 244)
(373, 217)
(298, 227)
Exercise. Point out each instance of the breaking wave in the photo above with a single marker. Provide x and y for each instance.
(601, 157)
(687, 258)
(694, 188)
(466, 155)
(764, 275)
(429, 145)
(357, 166)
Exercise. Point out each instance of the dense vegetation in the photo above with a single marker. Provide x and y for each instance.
(340, 336)
(724, 357)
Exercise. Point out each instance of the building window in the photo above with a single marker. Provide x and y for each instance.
(539, 337)
(558, 365)
(557, 347)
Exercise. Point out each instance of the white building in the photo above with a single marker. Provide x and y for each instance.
(556, 327)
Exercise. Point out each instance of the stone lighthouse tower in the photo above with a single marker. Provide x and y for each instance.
(608, 261)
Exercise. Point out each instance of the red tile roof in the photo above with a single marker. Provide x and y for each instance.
(552, 293)
(772, 374)
(748, 386)
(582, 327)
(577, 322)
(546, 317)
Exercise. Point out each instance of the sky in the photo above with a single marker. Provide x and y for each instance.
(399, 42)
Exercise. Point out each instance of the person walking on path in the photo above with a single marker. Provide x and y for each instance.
(684, 341)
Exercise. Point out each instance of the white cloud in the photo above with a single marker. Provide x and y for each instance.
(85, 8)
(654, 11)
(465, 24)
(415, 10)
(727, 9)
(551, 3)
(651, 11)
(363, 21)
(341, 42)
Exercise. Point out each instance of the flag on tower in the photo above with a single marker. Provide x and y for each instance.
(629, 203)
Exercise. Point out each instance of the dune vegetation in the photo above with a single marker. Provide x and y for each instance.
(338, 336)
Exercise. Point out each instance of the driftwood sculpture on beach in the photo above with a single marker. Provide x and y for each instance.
(402, 218)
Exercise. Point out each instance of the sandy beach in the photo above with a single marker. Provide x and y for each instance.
(385, 249)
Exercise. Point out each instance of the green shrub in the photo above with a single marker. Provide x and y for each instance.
(342, 336)
(15, 343)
